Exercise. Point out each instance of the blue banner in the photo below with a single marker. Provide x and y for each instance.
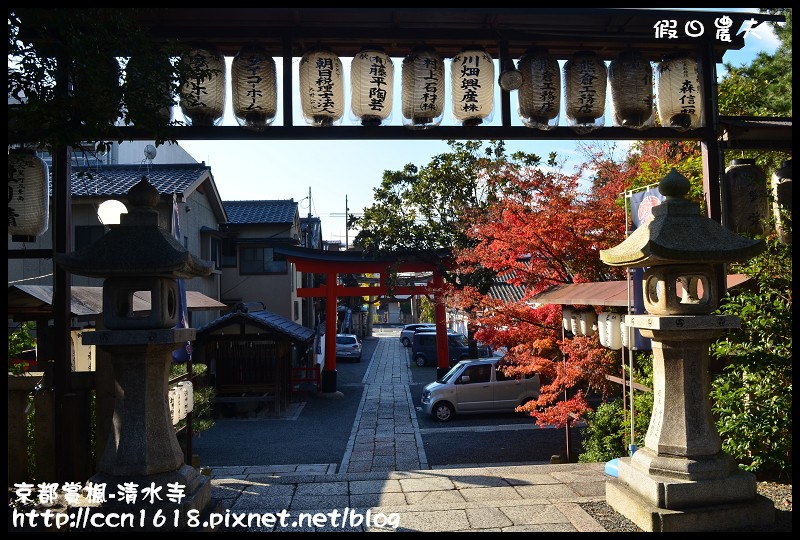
(642, 204)
(184, 352)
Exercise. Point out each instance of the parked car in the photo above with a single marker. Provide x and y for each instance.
(348, 346)
(477, 386)
(408, 331)
(424, 353)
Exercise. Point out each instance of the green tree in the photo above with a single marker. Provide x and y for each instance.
(65, 77)
(752, 397)
(426, 212)
(19, 340)
(763, 87)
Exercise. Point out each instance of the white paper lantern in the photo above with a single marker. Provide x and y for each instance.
(679, 97)
(602, 332)
(255, 88)
(540, 94)
(625, 332)
(566, 317)
(321, 88)
(202, 98)
(371, 84)
(613, 331)
(575, 323)
(630, 78)
(422, 89)
(585, 80)
(28, 195)
(188, 395)
(587, 319)
(472, 82)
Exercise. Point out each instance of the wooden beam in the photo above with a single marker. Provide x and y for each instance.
(627, 383)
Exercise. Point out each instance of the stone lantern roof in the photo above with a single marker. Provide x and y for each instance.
(136, 247)
(680, 234)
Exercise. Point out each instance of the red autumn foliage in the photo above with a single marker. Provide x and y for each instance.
(543, 229)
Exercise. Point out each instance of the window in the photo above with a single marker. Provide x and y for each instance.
(210, 251)
(229, 253)
(88, 234)
(261, 260)
(481, 373)
(459, 340)
(500, 376)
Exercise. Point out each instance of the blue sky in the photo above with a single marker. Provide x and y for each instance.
(253, 170)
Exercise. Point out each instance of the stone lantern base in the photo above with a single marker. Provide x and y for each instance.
(682, 480)
(142, 468)
(191, 513)
(664, 504)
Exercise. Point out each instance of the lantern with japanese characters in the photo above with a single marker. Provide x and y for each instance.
(202, 97)
(321, 88)
(540, 94)
(679, 93)
(585, 80)
(255, 88)
(28, 195)
(371, 84)
(630, 78)
(472, 81)
(747, 197)
(422, 89)
(566, 317)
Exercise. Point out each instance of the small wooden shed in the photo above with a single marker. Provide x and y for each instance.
(250, 355)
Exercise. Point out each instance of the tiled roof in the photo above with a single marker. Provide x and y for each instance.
(260, 212)
(264, 318)
(117, 180)
(506, 292)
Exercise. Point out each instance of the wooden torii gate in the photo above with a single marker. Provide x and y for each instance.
(333, 263)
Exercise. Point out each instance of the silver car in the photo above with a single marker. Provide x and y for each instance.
(408, 331)
(348, 346)
(477, 386)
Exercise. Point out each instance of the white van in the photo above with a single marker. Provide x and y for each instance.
(477, 386)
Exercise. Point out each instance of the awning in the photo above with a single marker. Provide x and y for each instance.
(26, 302)
(602, 293)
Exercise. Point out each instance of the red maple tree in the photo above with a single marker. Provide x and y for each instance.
(547, 228)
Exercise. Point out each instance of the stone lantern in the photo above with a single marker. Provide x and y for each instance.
(142, 448)
(681, 480)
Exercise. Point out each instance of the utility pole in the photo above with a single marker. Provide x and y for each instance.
(308, 277)
(346, 231)
(308, 228)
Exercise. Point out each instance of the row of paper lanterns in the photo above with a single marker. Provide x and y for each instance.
(630, 79)
(610, 327)
(321, 87)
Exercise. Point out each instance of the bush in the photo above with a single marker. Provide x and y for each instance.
(752, 398)
(607, 434)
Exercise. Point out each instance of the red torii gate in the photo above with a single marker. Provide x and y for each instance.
(333, 263)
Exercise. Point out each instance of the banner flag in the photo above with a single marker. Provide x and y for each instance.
(184, 352)
(642, 204)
